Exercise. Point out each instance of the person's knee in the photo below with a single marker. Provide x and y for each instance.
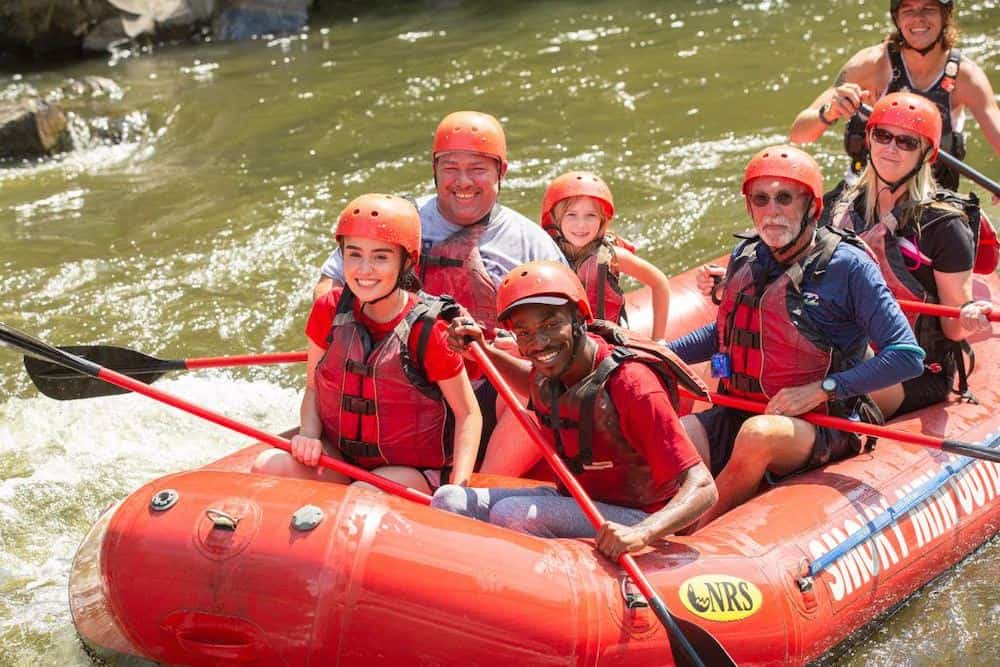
(758, 438)
(453, 498)
(764, 431)
(271, 462)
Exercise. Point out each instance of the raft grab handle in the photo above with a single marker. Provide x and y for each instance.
(221, 520)
(634, 599)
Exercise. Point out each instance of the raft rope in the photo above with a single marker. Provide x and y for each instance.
(889, 516)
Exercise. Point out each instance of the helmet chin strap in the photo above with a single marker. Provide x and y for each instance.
(791, 250)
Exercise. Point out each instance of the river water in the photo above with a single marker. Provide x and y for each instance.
(201, 232)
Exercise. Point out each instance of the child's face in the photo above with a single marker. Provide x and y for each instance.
(371, 268)
(581, 223)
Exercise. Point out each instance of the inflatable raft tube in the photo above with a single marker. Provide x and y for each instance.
(217, 566)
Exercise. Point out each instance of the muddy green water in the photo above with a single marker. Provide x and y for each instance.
(203, 231)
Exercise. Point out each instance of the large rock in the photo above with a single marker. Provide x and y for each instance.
(31, 129)
(242, 19)
(43, 27)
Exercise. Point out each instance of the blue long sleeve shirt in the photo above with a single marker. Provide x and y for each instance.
(853, 306)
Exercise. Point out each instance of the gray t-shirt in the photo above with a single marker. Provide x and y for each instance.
(510, 239)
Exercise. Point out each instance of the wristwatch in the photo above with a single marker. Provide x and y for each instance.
(829, 385)
(822, 115)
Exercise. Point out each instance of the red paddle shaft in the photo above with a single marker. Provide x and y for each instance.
(864, 428)
(939, 310)
(245, 360)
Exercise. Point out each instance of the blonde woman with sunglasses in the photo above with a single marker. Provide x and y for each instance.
(923, 240)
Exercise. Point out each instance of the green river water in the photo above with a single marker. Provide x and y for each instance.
(202, 232)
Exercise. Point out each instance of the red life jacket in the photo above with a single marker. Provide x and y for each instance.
(583, 423)
(771, 342)
(598, 271)
(375, 403)
(884, 245)
(455, 267)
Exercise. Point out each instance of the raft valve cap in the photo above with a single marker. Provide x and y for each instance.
(163, 500)
(307, 517)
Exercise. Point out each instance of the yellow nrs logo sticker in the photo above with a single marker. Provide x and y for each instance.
(720, 597)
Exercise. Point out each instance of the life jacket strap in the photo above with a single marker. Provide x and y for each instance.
(744, 338)
(745, 383)
(358, 449)
(431, 260)
(359, 368)
(358, 405)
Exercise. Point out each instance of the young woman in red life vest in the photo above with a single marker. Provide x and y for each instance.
(576, 210)
(924, 238)
(607, 403)
(383, 389)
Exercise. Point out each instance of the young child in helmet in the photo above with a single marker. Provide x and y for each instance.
(383, 389)
(576, 210)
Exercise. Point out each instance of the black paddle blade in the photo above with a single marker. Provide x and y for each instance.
(707, 647)
(972, 451)
(64, 384)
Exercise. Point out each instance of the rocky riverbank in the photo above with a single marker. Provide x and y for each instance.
(59, 29)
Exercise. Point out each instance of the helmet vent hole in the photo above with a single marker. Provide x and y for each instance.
(357, 211)
(374, 214)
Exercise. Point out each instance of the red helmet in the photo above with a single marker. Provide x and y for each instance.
(786, 162)
(383, 218)
(576, 184)
(544, 282)
(471, 131)
(910, 112)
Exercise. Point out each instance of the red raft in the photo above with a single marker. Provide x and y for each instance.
(322, 574)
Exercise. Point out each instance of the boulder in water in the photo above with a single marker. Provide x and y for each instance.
(242, 19)
(31, 128)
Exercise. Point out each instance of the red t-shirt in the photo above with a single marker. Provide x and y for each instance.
(439, 361)
(648, 420)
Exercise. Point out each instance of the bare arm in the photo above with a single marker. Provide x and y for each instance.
(468, 424)
(658, 284)
(859, 81)
(954, 289)
(977, 95)
(306, 445)
(697, 493)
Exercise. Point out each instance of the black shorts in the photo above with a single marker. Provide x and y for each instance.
(723, 424)
(926, 389)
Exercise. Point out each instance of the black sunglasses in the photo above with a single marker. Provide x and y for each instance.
(783, 198)
(904, 142)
